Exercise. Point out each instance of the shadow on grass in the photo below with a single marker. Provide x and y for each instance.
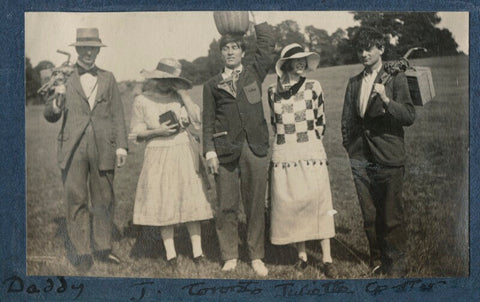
(61, 233)
(148, 241)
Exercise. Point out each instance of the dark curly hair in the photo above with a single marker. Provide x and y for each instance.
(367, 37)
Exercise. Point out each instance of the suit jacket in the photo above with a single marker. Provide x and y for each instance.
(229, 118)
(106, 118)
(379, 136)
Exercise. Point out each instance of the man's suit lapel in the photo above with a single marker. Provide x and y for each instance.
(74, 80)
(101, 87)
(241, 81)
(224, 85)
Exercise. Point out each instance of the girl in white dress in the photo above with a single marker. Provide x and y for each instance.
(170, 190)
(301, 207)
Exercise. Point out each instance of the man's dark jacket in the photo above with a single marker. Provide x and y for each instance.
(378, 137)
(230, 119)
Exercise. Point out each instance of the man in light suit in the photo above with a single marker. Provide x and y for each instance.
(236, 143)
(376, 108)
(91, 142)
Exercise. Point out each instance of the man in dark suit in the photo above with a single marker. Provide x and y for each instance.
(377, 106)
(236, 142)
(91, 142)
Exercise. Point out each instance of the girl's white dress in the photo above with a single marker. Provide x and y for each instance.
(169, 190)
(301, 200)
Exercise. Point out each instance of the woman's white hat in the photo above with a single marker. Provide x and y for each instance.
(296, 51)
(168, 69)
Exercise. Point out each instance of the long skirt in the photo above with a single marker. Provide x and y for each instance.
(301, 202)
(169, 190)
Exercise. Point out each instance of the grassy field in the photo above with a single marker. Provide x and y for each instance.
(435, 192)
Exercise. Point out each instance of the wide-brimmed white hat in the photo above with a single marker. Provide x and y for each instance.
(296, 51)
(168, 68)
(88, 37)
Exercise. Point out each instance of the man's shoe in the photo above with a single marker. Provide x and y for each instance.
(329, 270)
(398, 270)
(381, 269)
(109, 257)
(259, 267)
(229, 265)
(112, 258)
(376, 270)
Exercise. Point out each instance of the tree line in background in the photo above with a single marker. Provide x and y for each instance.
(402, 31)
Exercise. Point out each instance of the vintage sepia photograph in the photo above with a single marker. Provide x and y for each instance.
(280, 145)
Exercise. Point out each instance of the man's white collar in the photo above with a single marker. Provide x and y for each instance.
(229, 71)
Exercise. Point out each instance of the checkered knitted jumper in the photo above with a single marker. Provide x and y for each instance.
(299, 122)
(301, 201)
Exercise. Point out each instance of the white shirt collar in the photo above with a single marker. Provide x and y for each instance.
(374, 72)
(228, 71)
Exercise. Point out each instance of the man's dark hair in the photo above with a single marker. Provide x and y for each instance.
(228, 38)
(367, 37)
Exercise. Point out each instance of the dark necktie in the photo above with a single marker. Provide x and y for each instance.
(93, 71)
(235, 76)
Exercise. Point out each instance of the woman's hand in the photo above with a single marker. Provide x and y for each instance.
(165, 129)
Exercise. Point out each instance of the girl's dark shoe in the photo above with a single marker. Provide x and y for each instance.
(329, 270)
(172, 264)
(200, 260)
(301, 264)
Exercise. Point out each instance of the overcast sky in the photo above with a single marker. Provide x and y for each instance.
(137, 40)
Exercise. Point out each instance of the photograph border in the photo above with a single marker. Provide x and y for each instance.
(15, 285)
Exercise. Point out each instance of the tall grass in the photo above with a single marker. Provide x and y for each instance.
(435, 193)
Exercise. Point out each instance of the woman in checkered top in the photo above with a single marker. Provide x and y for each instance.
(301, 202)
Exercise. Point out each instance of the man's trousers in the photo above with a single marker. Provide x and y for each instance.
(89, 198)
(243, 180)
(379, 190)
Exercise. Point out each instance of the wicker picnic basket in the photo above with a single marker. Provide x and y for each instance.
(231, 22)
(420, 84)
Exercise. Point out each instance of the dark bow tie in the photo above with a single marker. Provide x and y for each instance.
(93, 71)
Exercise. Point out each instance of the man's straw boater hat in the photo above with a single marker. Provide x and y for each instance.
(168, 69)
(88, 37)
(295, 51)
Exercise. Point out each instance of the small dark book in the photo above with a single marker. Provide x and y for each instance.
(170, 117)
